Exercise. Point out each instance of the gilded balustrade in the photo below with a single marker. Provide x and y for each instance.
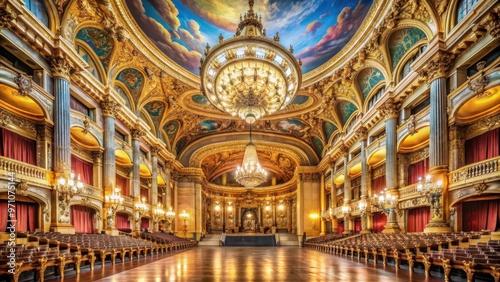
(474, 172)
(24, 170)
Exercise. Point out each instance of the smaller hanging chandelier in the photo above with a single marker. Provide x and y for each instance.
(250, 174)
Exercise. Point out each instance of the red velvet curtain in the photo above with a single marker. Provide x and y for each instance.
(378, 184)
(122, 221)
(418, 219)
(144, 223)
(27, 216)
(482, 147)
(82, 168)
(82, 218)
(379, 222)
(124, 185)
(340, 228)
(480, 215)
(17, 147)
(145, 194)
(417, 170)
(357, 226)
(3, 215)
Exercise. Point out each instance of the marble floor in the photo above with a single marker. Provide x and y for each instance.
(247, 264)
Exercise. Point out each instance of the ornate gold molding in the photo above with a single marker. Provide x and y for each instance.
(477, 86)
(438, 66)
(389, 109)
(61, 67)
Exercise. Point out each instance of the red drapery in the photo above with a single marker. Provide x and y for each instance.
(145, 194)
(379, 222)
(122, 221)
(82, 218)
(417, 170)
(26, 216)
(378, 184)
(144, 223)
(82, 168)
(482, 147)
(480, 215)
(340, 228)
(17, 147)
(124, 184)
(357, 226)
(418, 219)
(3, 215)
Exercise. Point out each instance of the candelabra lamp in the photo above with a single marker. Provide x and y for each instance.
(388, 204)
(433, 191)
(159, 214)
(141, 208)
(184, 215)
(363, 209)
(170, 215)
(112, 203)
(67, 187)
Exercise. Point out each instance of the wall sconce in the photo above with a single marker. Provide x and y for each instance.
(184, 215)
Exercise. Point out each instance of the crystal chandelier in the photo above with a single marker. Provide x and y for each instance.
(67, 186)
(250, 75)
(250, 174)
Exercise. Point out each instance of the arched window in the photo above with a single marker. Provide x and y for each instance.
(406, 67)
(38, 9)
(375, 97)
(92, 65)
(464, 8)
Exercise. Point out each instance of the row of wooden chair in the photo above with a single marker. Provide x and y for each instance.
(438, 250)
(175, 242)
(52, 249)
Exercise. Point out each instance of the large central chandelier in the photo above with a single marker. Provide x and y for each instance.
(250, 174)
(250, 75)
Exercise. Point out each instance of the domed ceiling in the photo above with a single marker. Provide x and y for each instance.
(181, 28)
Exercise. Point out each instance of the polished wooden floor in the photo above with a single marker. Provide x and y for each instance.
(246, 264)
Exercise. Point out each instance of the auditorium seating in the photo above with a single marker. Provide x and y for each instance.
(173, 242)
(52, 249)
(443, 251)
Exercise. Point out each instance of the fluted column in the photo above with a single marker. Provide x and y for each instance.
(168, 190)
(436, 72)
(136, 162)
(347, 195)
(363, 135)
(62, 142)
(457, 152)
(97, 168)
(323, 208)
(390, 112)
(333, 196)
(136, 178)
(154, 174)
(43, 140)
(109, 109)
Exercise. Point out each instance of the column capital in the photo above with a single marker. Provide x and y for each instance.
(97, 155)
(362, 132)
(389, 109)
(343, 150)
(61, 67)
(331, 162)
(6, 17)
(155, 150)
(110, 107)
(137, 133)
(438, 66)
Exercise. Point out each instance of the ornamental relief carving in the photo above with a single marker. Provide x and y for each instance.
(6, 17)
(18, 124)
(378, 171)
(483, 125)
(438, 66)
(418, 156)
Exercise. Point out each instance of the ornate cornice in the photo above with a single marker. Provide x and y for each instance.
(6, 16)
(137, 133)
(438, 66)
(389, 109)
(110, 107)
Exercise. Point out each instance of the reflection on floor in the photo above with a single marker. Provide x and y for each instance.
(247, 264)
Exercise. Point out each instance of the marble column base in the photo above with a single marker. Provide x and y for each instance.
(437, 227)
(391, 227)
(112, 231)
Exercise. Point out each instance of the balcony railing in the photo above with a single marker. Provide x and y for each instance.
(487, 167)
(409, 191)
(24, 169)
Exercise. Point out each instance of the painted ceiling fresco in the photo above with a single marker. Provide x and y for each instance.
(181, 28)
(401, 42)
(368, 78)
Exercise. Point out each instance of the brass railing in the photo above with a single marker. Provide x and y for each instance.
(490, 166)
(20, 168)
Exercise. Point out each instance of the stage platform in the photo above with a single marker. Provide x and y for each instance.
(249, 239)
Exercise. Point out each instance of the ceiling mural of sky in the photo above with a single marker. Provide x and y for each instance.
(317, 29)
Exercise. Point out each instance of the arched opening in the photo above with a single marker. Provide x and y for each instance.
(83, 219)
(25, 215)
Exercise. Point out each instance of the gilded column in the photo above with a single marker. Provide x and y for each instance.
(363, 135)
(43, 146)
(457, 152)
(154, 174)
(436, 72)
(168, 190)
(390, 112)
(97, 168)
